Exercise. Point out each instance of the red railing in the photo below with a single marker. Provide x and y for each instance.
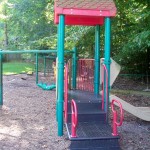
(66, 94)
(115, 117)
(85, 75)
(74, 118)
(104, 72)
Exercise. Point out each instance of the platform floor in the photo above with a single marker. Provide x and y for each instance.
(83, 96)
(92, 130)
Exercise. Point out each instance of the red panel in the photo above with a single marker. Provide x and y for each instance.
(84, 12)
(81, 20)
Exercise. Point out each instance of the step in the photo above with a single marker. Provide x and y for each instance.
(99, 116)
(93, 135)
(106, 144)
(84, 106)
(88, 111)
(91, 130)
(83, 96)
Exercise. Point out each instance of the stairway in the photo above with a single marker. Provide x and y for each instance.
(93, 133)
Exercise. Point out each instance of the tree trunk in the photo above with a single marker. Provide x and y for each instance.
(5, 34)
(148, 61)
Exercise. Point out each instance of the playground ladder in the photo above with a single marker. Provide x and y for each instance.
(86, 123)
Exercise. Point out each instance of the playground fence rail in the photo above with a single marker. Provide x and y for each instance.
(85, 75)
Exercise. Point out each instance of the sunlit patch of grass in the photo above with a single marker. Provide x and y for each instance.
(10, 68)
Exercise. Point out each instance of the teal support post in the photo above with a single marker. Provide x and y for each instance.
(107, 62)
(1, 79)
(37, 68)
(57, 90)
(74, 68)
(44, 66)
(97, 60)
(60, 54)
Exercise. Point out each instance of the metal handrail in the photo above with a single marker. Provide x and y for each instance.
(74, 118)
(66, 94)
(104, 71)
(115, 116)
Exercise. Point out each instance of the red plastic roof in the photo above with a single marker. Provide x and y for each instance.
(84, 12)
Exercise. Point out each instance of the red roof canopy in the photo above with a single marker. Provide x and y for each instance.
(84, 12)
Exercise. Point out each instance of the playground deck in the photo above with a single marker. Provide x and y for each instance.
(83, 96)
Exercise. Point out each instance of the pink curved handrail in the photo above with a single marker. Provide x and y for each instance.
(115, 123)
(104, 71)
(74, 118)
(66, 94)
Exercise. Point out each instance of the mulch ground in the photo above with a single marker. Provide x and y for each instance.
(27, 119)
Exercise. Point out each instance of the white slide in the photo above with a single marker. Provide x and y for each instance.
(140, 112)
(114, 70)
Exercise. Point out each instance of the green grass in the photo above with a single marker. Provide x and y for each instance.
(130, 92)
(10, 68)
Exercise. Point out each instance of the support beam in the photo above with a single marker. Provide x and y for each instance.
(107, 62)
(97, 60)
(1, 79)
(37, 68)
(74, 68)
(44, 66)
(60, 55)
(32, 51)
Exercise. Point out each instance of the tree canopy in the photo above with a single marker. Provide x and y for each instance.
(28, 24)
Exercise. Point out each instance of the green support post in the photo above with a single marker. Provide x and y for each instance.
(60, 54)
(97, 60)
(1, 79)
(37, 68)
(44, 66)
(74, 67)
(107, 61)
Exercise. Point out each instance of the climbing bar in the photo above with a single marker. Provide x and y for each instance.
(32, 51)
(115, 116)
(66, 93)
(74, 118)
(85, 75)
(104, 88)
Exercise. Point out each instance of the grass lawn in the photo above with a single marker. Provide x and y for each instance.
(17, 67)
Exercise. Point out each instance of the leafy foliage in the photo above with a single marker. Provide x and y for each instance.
(28, 24)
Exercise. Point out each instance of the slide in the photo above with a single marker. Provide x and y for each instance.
(140, 112)
(114, 70)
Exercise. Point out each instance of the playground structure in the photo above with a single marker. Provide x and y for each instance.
(85, 73)
(47, 81)
(84, 110)
(2, 52)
